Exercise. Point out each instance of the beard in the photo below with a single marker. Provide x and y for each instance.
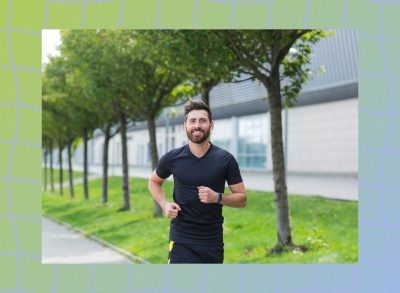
(198, 135)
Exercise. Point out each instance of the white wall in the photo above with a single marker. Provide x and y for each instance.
(324, 137)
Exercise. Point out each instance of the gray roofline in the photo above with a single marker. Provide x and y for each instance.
(339, 92)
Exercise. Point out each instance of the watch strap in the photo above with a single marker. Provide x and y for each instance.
(219, 197)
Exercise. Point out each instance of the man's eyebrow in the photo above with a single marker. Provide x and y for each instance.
(202, 119)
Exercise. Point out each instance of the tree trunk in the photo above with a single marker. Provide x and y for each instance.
(70, 173)
(278, 169)
(85, 166)
(104, 190)
(51, 169)
(125, 170)
(205, 96)
(151, 126)
(60, 170)
(45, 169)
(207, 86)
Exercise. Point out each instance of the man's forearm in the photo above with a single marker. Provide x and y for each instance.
(235, 200)
(157, 193)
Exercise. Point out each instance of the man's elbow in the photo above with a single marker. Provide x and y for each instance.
(150, 184)
(243, 202)
(154, 183)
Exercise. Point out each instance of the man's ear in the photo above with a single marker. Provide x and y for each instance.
(212, 125)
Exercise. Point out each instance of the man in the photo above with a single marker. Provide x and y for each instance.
(200, 170)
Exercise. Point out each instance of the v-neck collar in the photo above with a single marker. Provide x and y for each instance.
(205, 154)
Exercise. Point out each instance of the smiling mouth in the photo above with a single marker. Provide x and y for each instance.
(197, 132)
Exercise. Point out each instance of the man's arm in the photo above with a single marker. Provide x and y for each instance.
(237, 199)
(155, 187)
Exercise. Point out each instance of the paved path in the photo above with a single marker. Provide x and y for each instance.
(63, 246)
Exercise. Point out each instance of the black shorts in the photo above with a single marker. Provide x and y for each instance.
(189, 253)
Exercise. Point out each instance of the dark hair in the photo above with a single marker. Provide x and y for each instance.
(197, 105)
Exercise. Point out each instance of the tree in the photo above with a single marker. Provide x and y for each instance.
(83, 116)
(47, 140)
(115, 47)
(52, 128)
(61, 92)
(45, 155)
(48, 144)
(270, 56)
(154, 84)
(90, 58)
(104, 63)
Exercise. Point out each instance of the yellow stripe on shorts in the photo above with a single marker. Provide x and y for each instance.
(171, 245)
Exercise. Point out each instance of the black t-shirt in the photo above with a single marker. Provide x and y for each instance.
(197, 222)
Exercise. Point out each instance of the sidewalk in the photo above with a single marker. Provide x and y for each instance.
(63, 246)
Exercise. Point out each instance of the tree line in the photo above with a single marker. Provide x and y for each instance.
(108, 80)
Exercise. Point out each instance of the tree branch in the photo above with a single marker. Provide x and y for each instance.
(243, 55)
(245, 79)
(279, 52)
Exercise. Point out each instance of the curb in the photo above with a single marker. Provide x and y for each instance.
(119, 250)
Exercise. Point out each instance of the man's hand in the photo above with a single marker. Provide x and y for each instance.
(171, 210)
(207, 195)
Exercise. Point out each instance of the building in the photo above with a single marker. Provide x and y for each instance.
(320, 131)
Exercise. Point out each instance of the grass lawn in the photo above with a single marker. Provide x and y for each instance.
(328, 227)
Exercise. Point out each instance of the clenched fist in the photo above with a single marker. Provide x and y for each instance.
(171, 210)
(207, 195)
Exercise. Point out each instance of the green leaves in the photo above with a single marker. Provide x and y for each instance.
(199, 55)
(103, 72)
(274, 55)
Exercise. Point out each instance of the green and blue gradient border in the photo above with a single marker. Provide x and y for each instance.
(376, 21)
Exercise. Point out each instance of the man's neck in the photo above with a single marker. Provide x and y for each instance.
(199, 149)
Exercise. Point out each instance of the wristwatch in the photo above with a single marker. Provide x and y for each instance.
(219, 197)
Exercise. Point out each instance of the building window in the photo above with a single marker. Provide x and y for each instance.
(148, 153)
(172, 142)
(99, 152)
(222, 133)
(252, 144)
(172, 137)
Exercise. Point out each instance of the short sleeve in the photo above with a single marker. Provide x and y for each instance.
(233, 175)
(163, 170)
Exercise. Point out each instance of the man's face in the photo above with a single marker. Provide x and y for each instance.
(198, 126)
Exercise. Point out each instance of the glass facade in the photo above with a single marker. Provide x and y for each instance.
(252, 141)
(222, 134)
(245, 137)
